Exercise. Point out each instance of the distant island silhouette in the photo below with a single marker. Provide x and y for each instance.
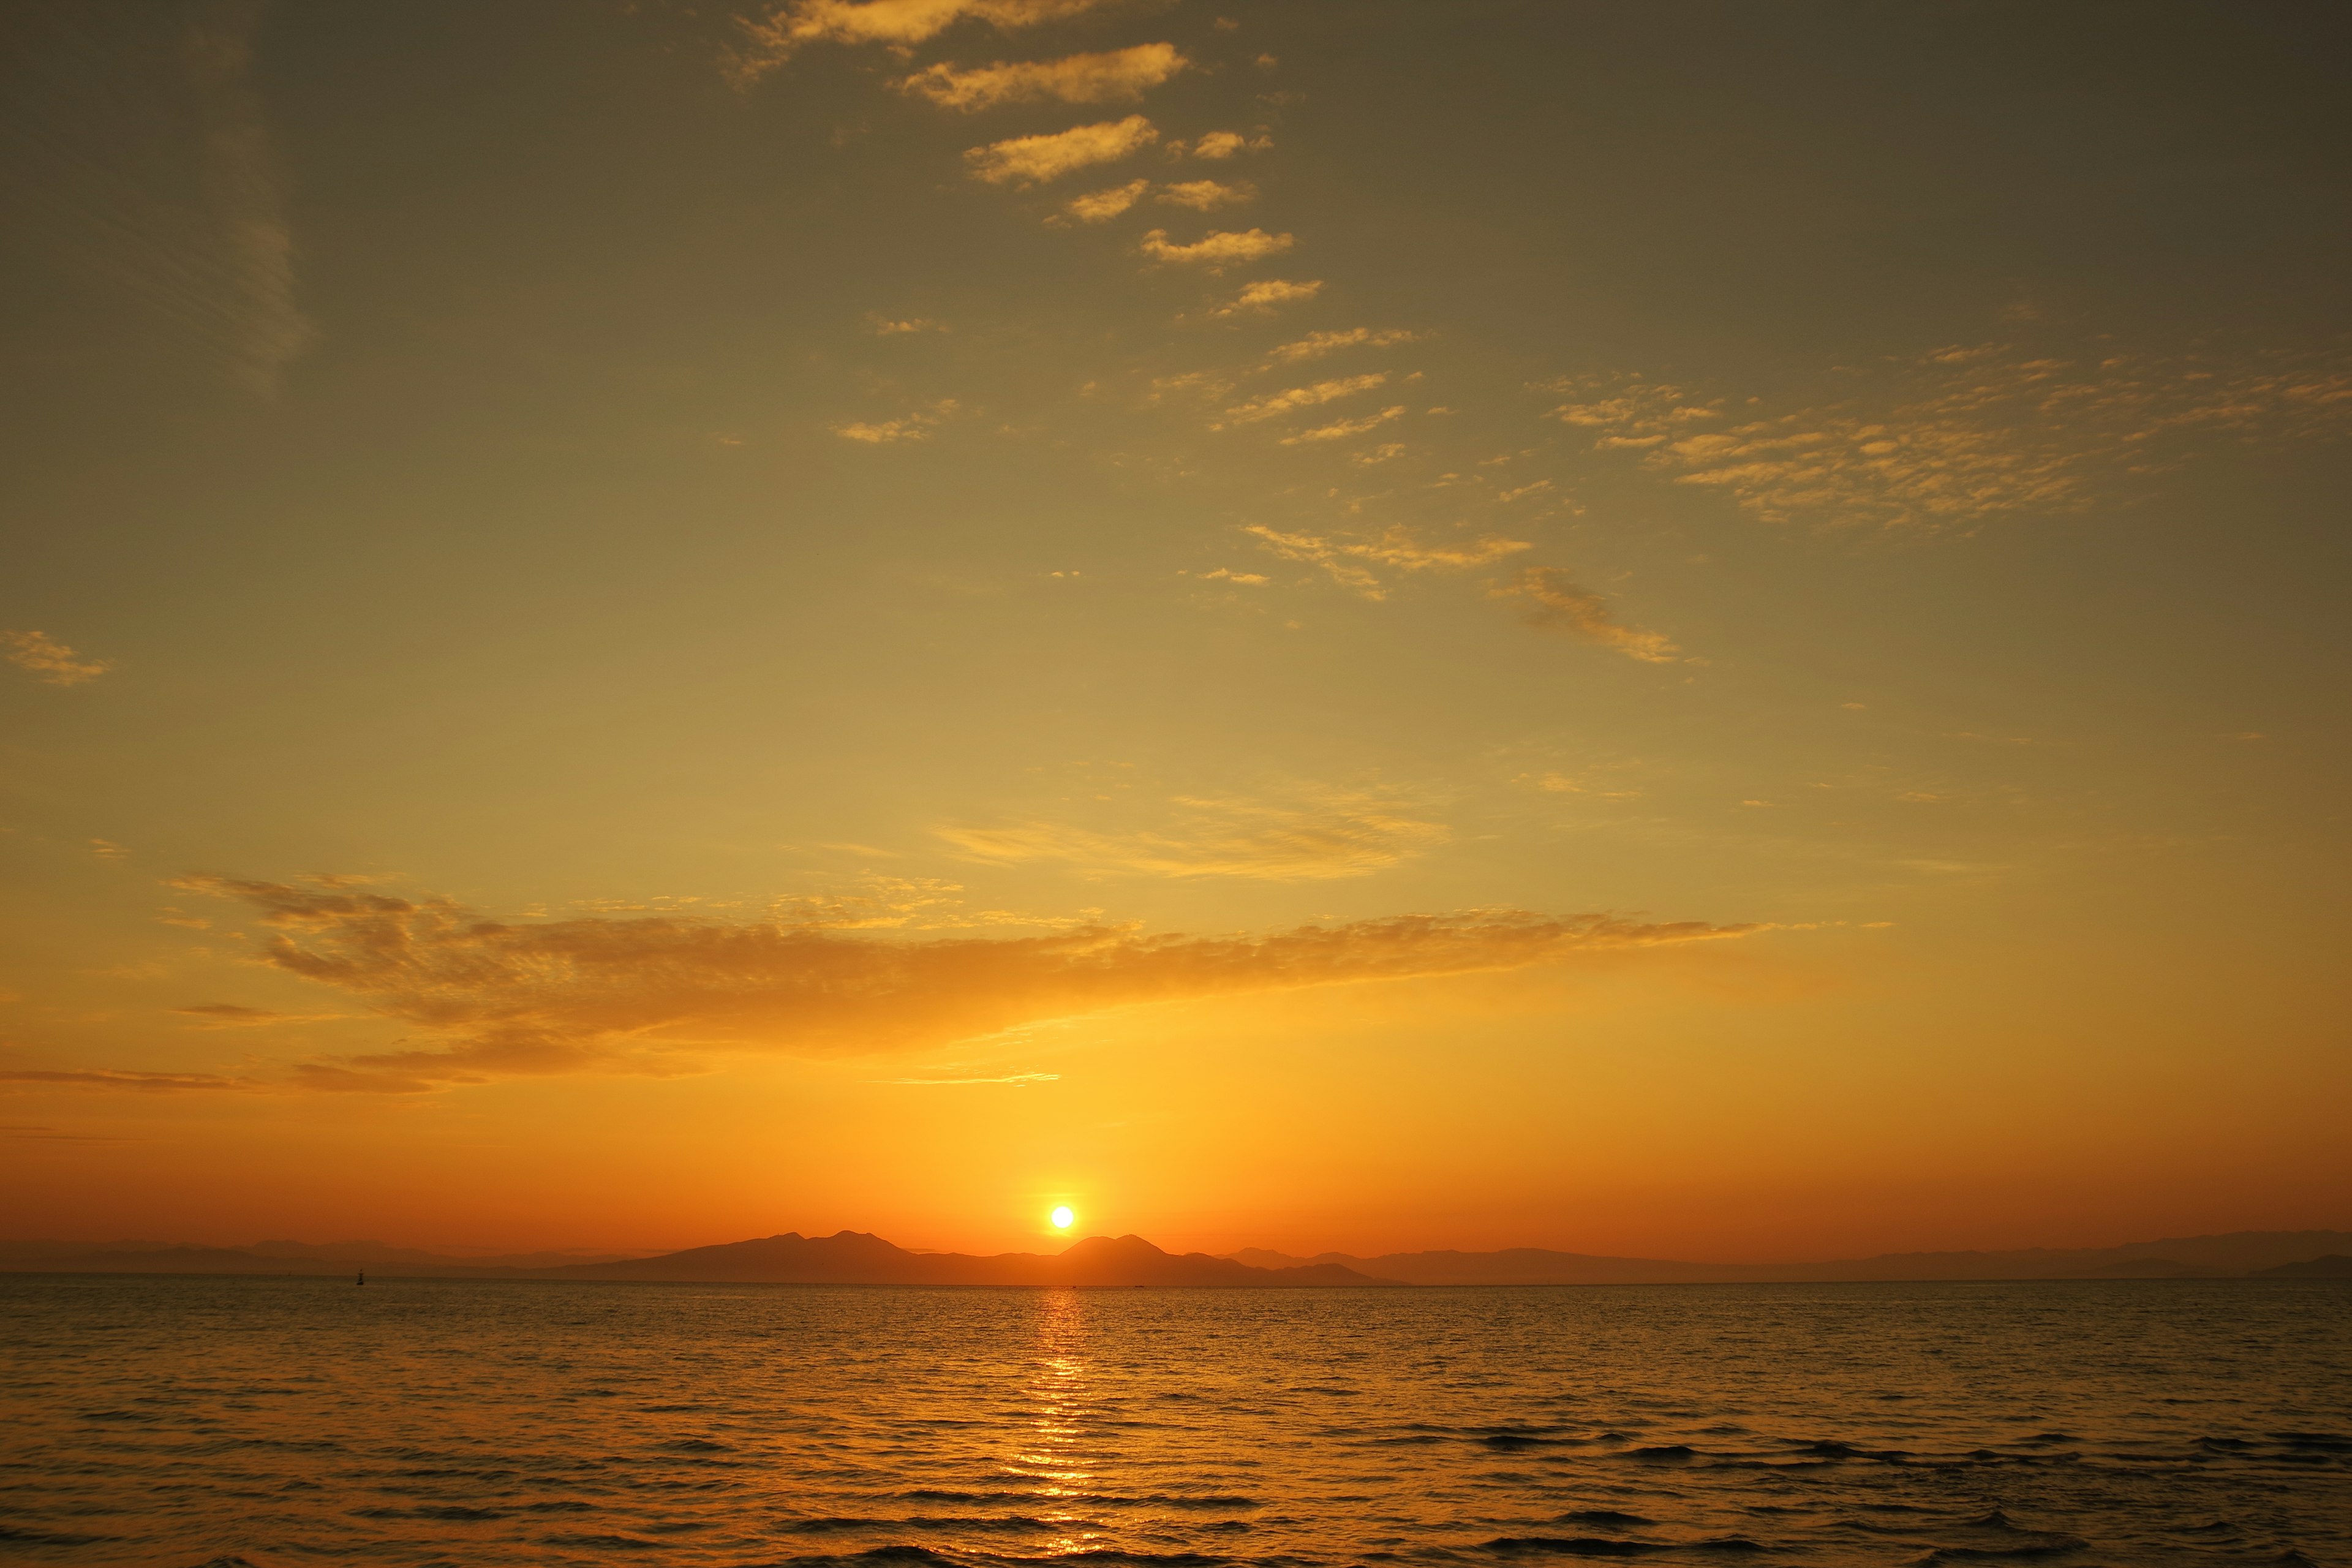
(856, 1257)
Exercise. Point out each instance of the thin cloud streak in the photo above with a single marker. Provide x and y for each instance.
(1553, 600)
(1330, 834)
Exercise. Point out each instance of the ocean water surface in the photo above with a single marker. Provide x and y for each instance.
(271, 1422)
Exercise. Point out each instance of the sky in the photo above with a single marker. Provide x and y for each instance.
(1681, 630)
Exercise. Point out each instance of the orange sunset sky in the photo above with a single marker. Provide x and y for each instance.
(1691, 630)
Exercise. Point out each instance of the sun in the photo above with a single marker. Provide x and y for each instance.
(1063, 1218)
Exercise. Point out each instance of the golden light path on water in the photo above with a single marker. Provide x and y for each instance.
(1056, 1391)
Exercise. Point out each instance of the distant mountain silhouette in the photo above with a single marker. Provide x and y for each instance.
(2335, 1265)
(855, 1257)
(2238, 1253)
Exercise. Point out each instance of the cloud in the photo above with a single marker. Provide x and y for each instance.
(1291, 399)
(1554, 601)
(1018, 1077)
(230, 1015)
(1219, 249)
(771, 39)
(1216, 145)
(1399, 547)
(1120, 76)
(1032, 160)
(131, 1082)
(1315, 345)
(501, 997)
(1101, 206)
(1341, 429)
(151, 168)
(1269, 294)
(1205, 195)
(887, 327)
(915, 427)
(1327, 835)
(1227, 574)
(49, 660)
(1956, 437)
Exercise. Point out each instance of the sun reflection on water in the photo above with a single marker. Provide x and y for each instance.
(1053, 1460)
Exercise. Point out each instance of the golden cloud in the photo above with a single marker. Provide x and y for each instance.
(1315, 345)
(1340, 430)
(1205, 195)
(1119, 76)
(1555, 602)
(1297, 397)
(915, 427)
(1219, 249)
(1101, 206)
(1033, 160)
(48, 659)
(1268, 295)
(1218, 145)
(627, 994)
(771, 39)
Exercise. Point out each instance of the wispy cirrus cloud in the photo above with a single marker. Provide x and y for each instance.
(1016, 1079)
(46, 659)
(1348, 561)
(1551, 599)
(1954, 438)
(499, 997)
(153, 168)
(233, 1016)
(1120, 76)
(1316, 836)
(1035, 160)
(783, 29)
(1315, 345)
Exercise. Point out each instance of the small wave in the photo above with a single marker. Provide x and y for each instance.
(693, 1446)
(1663, 1453)
(454, 1512)
(1607, 1516)
(2335, 1441)
(606, 1542)
(10, 1535)
(1574, 1545)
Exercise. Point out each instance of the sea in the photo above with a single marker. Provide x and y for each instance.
(271, 1422)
